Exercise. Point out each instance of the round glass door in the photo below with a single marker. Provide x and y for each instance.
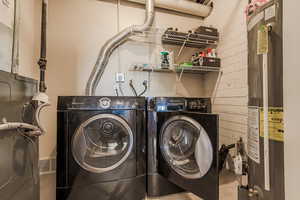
(186, 147)
(102, 143)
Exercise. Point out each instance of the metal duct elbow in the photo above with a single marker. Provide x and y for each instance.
(114, 43)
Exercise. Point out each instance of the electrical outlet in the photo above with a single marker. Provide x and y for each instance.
(120, 77)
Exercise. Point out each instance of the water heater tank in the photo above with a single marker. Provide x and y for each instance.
(265, 113)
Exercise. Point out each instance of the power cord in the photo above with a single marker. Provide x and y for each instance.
(133, 88)
(145, 84)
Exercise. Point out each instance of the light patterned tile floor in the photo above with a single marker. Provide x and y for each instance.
(227, 192)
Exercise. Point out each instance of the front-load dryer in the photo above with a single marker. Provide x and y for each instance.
(101, 148)
(182, 147)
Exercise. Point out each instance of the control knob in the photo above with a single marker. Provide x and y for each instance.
(104, 102)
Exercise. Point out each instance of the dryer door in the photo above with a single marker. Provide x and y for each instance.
(188, 153)
(102, 143)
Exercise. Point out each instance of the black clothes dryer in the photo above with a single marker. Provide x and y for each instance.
(101, 153)
(182, 147)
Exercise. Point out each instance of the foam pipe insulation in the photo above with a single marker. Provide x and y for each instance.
(33, 130)
(182, 6)
(18, 125)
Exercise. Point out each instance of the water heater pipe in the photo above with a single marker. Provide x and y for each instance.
(43, 52)
(266, 122)
(114, 43)
(182, 6)
(16, 125)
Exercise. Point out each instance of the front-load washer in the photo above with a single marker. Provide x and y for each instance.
(182, 147)
(101, 152)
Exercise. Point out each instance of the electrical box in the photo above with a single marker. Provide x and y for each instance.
(120, 77)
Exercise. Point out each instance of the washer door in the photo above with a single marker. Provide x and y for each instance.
(102, 143)
(186, 147)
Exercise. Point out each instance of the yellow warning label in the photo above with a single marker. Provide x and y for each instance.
(262, 40)
(276, 123)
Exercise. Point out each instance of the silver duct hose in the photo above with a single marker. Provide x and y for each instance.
(114, 43)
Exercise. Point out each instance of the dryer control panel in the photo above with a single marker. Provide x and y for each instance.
(199, 105)
(169, 104)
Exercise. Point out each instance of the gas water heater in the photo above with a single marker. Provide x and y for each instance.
(265, 112)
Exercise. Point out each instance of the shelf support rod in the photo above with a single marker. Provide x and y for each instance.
(214, 95)
(183, 45)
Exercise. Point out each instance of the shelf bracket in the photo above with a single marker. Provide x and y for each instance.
(183, 45)
(180, 75)
(214, 95)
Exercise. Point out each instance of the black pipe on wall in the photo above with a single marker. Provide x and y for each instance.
(43, 53)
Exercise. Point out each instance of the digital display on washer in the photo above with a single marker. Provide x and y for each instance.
(170, 105)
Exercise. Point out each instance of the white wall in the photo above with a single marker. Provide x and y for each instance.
(291, 98)
(231, 100)
(29, 38)
(6, 35)
(28, 44)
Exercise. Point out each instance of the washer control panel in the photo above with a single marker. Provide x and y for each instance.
(100, 103)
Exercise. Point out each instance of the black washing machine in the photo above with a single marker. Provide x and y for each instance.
(182, 147)
(101, 153)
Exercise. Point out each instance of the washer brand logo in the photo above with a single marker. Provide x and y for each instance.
(104, 102)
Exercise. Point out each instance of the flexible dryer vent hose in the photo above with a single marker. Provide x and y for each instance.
(114, 43)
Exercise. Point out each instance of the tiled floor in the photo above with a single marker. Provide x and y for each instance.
(228, 191)
(182, 196)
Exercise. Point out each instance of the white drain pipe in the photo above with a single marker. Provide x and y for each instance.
(182, 6)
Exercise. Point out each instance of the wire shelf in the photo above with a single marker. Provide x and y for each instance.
(193, 40)
(161, 37)
(153, 70)
(197, 69)
(193, 70)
